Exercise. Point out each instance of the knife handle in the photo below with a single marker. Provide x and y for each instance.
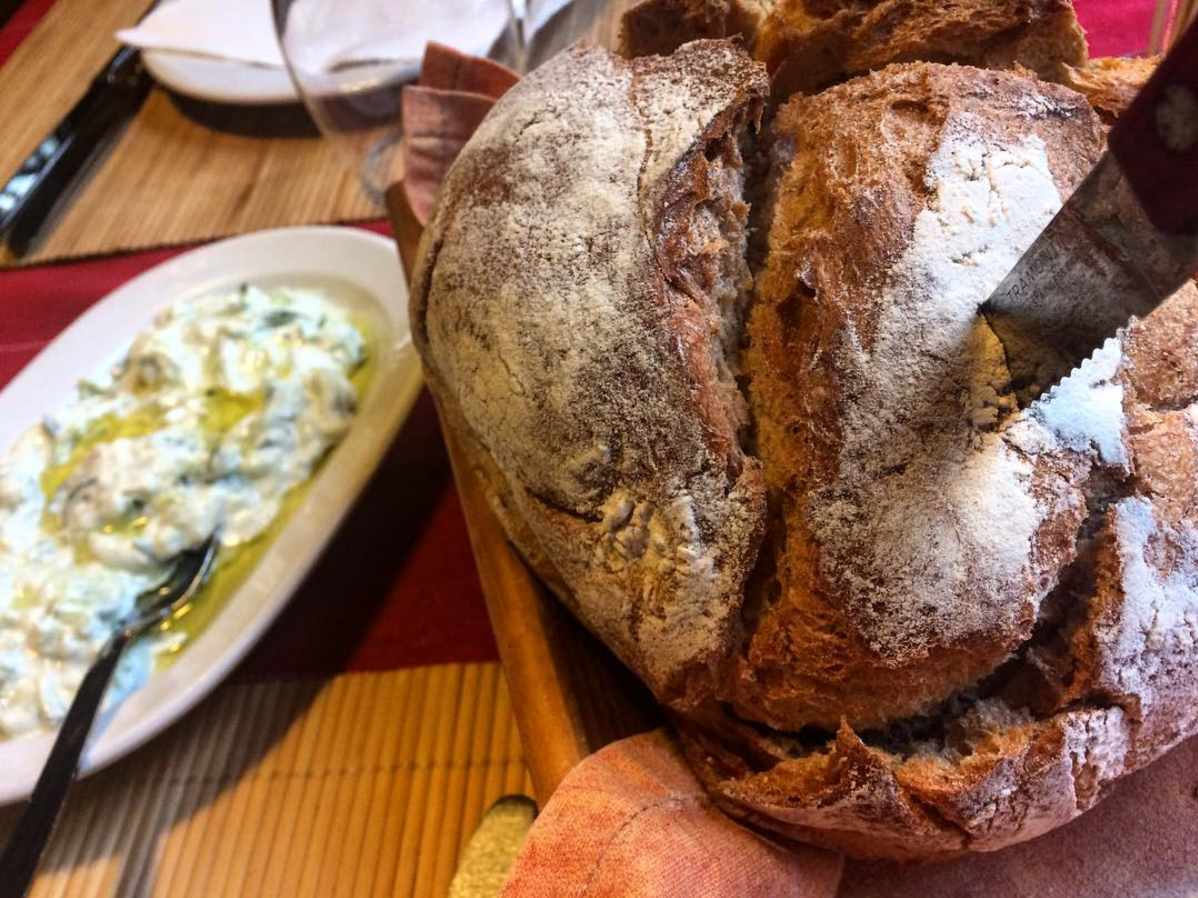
(52, 169)
(1156, 140)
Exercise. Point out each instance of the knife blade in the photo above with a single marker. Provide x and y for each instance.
(1125, 241)
(46, 176)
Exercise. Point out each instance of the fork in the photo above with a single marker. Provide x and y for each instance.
(19, 863)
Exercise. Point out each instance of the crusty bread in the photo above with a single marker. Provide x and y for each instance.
(878, 393)
(1110, 84)
(807, 44)
(570, 304)
(890, 612)
(925, 634)
(659, 27)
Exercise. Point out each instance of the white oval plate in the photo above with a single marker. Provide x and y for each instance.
(359, 270)
(220, 80)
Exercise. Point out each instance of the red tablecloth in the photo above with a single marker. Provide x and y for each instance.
(1116, 27)
(18, 27)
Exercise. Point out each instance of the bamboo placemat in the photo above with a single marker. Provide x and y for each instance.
(366, 784)
(169, 178)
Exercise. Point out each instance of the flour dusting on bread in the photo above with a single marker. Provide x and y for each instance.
(1159, 567)
(576, 305)
(1084, 412)
(930, 519)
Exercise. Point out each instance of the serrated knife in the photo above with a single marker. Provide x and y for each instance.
(1125, 241)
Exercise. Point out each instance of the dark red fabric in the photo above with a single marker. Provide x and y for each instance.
(396, 588)
(1116, 27)
(19, 26)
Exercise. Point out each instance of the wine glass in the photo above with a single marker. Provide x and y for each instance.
(350, 59)
(552, 25)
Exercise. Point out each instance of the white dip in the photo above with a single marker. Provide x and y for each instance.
(216, 412)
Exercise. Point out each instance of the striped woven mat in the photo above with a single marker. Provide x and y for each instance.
(365, 784)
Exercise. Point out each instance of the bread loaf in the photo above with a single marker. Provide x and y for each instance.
(922, 635)
(592, 371)
(889, 611)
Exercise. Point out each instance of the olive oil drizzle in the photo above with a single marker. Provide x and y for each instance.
(234, 565)
(220, 411)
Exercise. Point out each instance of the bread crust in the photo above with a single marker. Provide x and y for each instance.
(585, 372)
(832, 337)
(1104, 690)
(1111, 83)
(809, 44)
(659, 27)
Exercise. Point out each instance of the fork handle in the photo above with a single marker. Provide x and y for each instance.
(18, 866)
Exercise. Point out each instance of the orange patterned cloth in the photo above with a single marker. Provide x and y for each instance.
(633, 822)
(440, 113)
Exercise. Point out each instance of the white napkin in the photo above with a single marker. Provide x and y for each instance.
(241, 30)
(320, 36)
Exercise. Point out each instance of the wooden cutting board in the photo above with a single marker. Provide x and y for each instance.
(570, 696)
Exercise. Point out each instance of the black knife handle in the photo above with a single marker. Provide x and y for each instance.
(1156, 140)
(18, 864)
(115, 94)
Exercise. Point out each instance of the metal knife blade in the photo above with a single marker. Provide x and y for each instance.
(48, 173)
(1126, 240)
(1099, 262)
